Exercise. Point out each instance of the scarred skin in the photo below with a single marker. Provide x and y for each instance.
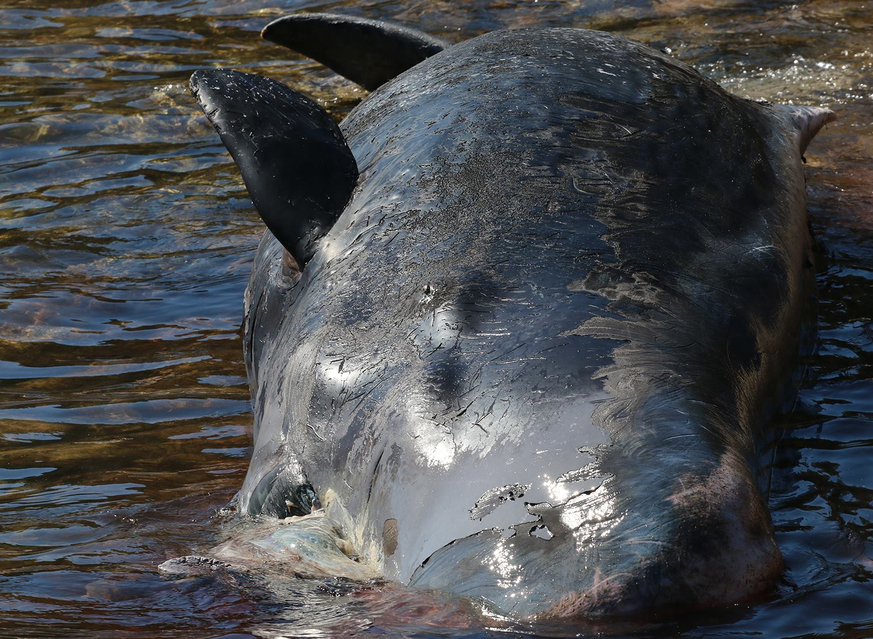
(533, 360)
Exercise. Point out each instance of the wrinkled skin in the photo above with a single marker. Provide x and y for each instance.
(533, 360)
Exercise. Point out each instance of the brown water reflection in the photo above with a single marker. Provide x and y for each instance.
(125, 245)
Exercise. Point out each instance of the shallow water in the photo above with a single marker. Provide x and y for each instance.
(126, 242)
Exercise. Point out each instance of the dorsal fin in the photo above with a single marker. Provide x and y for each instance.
(296, 165)
(367, 52)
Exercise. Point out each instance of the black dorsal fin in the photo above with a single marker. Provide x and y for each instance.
(296, 165)
(367, 52)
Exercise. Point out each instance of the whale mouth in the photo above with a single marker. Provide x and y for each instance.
(309, 546)
(312, 546)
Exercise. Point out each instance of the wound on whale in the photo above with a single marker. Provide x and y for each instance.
(520, 321)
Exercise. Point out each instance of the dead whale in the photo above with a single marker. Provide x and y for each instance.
(521, 320)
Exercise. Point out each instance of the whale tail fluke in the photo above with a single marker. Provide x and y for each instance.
(367, 52)
(294, 161)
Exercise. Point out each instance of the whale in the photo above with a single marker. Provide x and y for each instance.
(520, 324)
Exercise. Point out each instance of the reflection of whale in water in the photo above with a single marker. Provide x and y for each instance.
(538, 297)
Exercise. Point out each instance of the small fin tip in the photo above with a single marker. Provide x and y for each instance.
(809, 121)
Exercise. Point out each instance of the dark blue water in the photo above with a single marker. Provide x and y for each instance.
(126, 238)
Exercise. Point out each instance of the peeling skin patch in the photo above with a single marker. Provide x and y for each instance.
(542, 532)
(489, 502)
(389, 536)
(590, 471)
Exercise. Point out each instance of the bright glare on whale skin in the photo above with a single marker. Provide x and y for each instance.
(538, 298)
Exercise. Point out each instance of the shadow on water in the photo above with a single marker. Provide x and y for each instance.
(126, 242)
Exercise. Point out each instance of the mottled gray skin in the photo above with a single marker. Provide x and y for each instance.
(542, 341)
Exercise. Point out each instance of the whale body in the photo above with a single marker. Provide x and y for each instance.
(521, 320)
